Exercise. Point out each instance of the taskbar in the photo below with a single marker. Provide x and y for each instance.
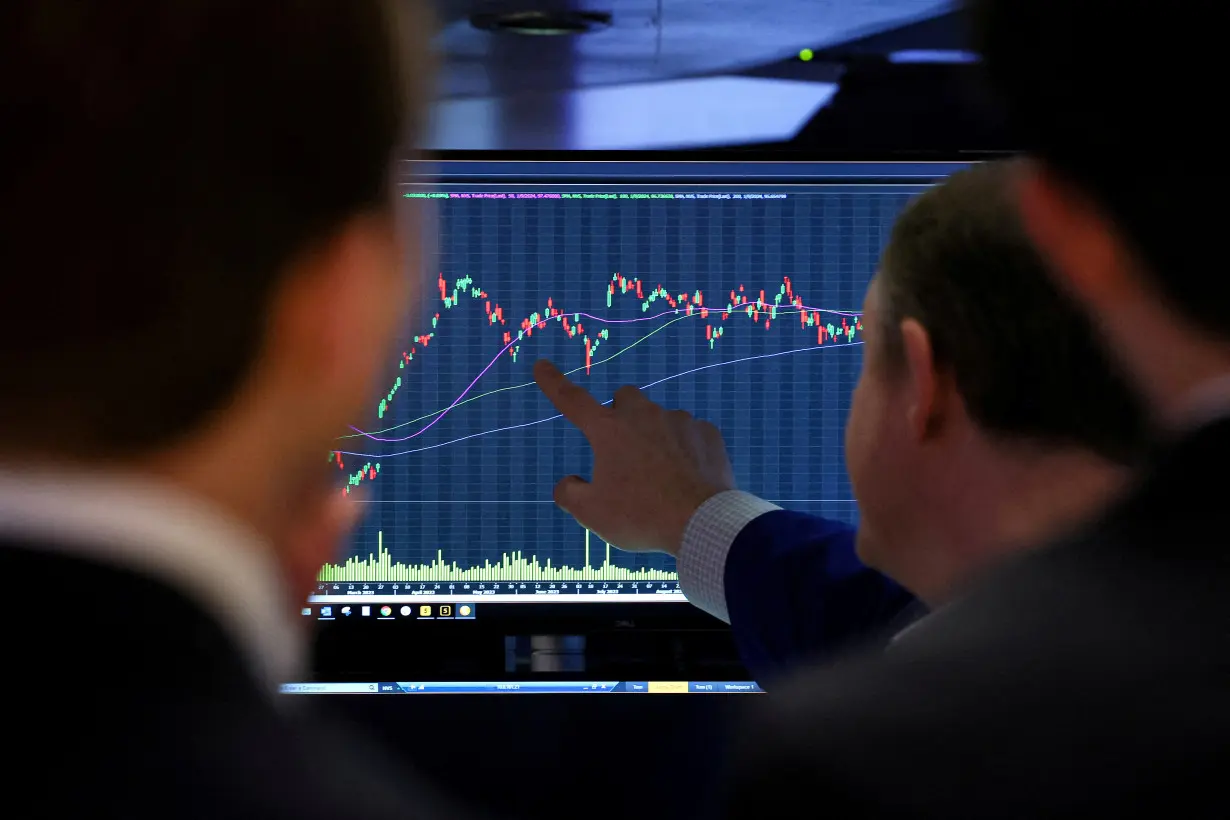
(377, 592)
(522, 687)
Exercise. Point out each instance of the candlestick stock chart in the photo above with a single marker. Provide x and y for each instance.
(743, 311)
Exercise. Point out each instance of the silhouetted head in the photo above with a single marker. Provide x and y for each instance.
(200, 257)
(1122, 192)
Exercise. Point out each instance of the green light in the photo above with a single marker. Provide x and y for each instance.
(806, 54)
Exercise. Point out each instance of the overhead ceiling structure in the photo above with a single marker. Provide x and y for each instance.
(593, 74)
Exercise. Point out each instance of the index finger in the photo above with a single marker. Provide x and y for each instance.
(573, 401)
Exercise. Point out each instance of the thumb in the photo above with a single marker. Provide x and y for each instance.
(572, 495)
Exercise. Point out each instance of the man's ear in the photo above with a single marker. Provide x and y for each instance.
(1072, 233)
(923, 401)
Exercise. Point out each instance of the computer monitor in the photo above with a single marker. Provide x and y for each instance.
(729, 288)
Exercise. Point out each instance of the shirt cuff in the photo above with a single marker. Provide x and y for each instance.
(707, 540)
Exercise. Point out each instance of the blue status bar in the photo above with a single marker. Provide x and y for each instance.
(521, 687)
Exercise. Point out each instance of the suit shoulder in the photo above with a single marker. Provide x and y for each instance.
(1060, 677)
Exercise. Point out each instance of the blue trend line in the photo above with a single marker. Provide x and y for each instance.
(608, 401)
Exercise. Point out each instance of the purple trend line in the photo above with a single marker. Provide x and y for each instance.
(543, 323)
(608, 401)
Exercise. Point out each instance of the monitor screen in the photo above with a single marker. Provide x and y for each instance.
(730, 289)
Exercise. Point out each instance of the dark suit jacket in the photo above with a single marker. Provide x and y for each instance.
(796, 591)
(1090, 679)
(122, 699)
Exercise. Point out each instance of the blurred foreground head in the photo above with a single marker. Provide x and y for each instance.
(201, 267)
(1124, 192)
